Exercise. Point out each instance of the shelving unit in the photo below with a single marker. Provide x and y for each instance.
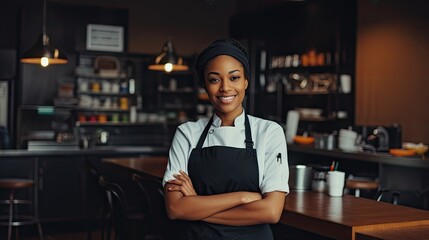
(297, 58)
(110, 99)
(107, 88)
(176, 95)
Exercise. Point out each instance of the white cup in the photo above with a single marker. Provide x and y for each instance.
(83, 85)
(115, 87)
(346, 83)
(106, 87)
(335, 181)
(341, 114)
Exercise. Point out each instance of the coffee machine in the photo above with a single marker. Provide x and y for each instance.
(381, 138)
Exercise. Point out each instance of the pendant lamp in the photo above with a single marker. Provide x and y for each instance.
(42, 52)
(168, 60)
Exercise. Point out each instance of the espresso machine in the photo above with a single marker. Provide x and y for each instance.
(381, 138)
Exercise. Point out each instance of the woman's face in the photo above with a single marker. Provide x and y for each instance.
(225, 85)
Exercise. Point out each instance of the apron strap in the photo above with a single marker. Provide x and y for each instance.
(248, 141)
(204, 134)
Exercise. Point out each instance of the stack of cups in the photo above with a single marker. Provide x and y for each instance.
(335, 182)
(347, 140)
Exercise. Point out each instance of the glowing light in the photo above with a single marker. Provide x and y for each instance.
(168, 67)
(44, 61)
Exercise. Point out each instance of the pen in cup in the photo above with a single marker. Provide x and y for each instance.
(331, 168)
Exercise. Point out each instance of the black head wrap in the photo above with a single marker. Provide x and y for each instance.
(228, 47)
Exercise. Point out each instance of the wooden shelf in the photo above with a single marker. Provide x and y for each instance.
(107, 94)
(101, 110)
(178, 91)
(113, 124)
(309, 93)
(302, 69)
(97, 76)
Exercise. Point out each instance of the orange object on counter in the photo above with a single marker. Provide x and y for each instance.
(303, 140)
(402, 152)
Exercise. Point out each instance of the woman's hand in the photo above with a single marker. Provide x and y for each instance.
(182, 184)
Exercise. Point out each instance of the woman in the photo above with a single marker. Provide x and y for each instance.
(227, 176)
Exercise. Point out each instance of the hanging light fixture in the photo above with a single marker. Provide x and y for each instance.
(168, 60)
(42, 52)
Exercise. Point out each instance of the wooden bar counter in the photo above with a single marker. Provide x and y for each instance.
(150, 165)
(403, 233)
(341, 217)
(333, 217)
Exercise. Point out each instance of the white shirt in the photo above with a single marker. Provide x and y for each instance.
(269, 141)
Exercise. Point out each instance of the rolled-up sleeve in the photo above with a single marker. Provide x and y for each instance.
(178, 156)
(276, 168)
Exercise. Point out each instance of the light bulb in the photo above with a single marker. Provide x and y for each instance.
(44, 61)
(168, 67)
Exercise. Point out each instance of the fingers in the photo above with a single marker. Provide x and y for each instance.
(175, 181)
(183, 184)
(185, 176)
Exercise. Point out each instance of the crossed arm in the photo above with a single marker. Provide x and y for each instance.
(234, 209)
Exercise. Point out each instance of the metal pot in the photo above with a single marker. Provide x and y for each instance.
(300, 177)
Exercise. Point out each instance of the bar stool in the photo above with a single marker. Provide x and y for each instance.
(14, 219)
(360, 184)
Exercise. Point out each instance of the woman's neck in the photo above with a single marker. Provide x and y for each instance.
(228, 118)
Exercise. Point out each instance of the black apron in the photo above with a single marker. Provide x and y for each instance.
(219, 169)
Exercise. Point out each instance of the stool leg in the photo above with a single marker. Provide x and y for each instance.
(357, 192)
(9, 228)
(39, 229)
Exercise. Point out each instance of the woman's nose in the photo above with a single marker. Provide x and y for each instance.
(225, 86)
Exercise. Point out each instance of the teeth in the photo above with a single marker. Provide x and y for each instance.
(228, 99)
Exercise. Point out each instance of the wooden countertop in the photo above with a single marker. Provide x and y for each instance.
(403, 233)
(334, 217)
(341, 217)
(152, 165)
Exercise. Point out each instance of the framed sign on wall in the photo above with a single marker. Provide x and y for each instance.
(105, 38)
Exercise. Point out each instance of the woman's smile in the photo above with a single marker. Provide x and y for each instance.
(226, 99)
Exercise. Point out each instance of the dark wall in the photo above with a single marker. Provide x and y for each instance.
(67, 31)
(9, 18)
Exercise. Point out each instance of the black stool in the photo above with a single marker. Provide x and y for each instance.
(15, 220)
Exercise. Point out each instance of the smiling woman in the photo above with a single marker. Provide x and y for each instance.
(225, 87)
(233, 185)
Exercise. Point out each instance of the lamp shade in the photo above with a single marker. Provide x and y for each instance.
(41, 51)
(168, 60)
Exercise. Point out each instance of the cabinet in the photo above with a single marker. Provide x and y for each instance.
(176, 95)
(110, 101)
(61, 183)
(297, 57)
(117, 93)
(107, 89)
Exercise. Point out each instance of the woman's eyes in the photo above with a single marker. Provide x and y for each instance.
(232, 78)
(235, 78)
(213, 80)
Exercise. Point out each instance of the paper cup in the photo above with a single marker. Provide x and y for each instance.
(335, 181)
